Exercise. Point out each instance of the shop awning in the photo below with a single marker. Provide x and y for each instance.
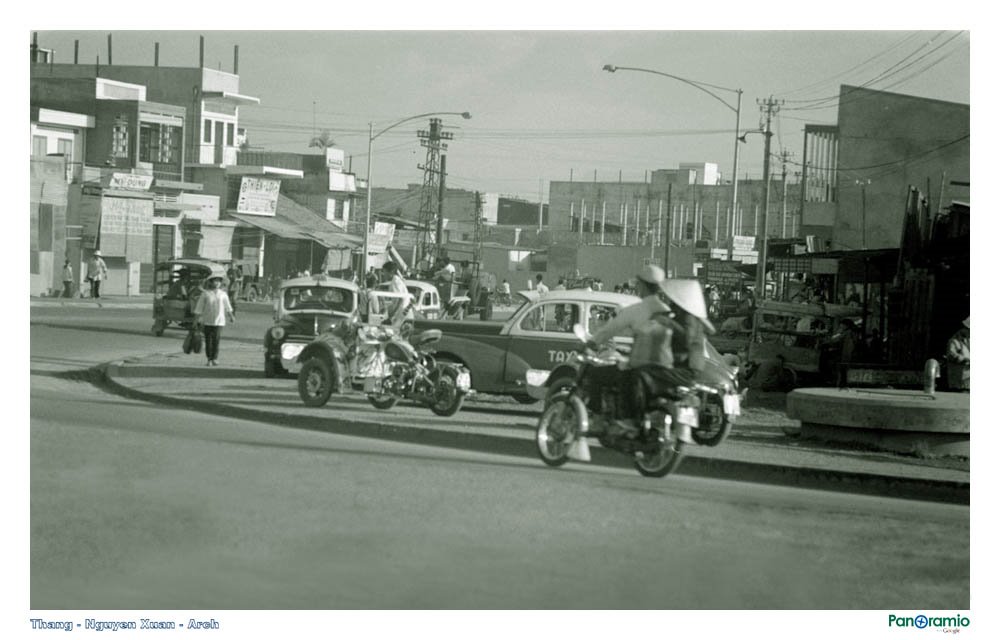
(295, 222)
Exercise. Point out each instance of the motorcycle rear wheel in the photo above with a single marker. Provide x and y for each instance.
(557, 429)
(715, 425)
(447, 399)
(664, 460)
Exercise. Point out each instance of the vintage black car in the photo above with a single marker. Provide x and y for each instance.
(303, 309)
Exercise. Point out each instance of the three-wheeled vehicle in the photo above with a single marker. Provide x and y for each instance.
(795, 336)
(176, 287)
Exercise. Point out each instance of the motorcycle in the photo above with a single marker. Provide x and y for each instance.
(409, 370)
(567, 422)
(341, 357)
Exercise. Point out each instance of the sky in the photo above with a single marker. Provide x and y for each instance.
(542, 107)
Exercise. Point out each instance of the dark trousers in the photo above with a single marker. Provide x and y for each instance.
(67, 289)
(213, 334)
(601, 378)
(95, 288)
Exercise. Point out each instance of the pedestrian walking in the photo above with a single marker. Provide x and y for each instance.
(97, 271)
(67, 280)
(211, 312)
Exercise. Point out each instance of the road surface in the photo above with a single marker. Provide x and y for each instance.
(138, 506)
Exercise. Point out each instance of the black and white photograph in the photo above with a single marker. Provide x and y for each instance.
(530, 318)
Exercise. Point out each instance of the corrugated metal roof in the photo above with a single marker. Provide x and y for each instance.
(294, 221)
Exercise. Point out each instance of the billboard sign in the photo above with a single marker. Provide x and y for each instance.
(127, 228)
(258, 196)
(335, 159)
(130, 181)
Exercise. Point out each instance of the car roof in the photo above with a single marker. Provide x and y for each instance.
(319, 280)
(582, 295)
(425, 286)
(383, 293)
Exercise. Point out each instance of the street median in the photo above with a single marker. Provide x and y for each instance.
(752, 455)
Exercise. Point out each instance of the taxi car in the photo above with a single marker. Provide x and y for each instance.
(533, 342)
(303, 309)
(528, 356)
(427, 301)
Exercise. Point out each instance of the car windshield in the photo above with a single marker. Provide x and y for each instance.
(318, 298)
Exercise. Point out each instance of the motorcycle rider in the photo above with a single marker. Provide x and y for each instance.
(689, 327)
(633, 320)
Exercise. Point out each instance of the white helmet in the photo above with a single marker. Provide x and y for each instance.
(687, 294)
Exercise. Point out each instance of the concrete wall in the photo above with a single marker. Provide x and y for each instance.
(48, 203)
(710, 203)
(891, 141)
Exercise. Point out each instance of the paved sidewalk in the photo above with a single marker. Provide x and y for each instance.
(140, 301)
(759, 449)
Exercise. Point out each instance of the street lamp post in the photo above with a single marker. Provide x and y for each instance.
(738, 109)
(368, 181)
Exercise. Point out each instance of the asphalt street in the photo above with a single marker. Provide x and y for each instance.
(139, 506)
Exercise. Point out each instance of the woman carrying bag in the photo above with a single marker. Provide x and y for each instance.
(211, 312)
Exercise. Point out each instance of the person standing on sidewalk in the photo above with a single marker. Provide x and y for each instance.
(96, 272)
(67, 280)
(211, 312)
(958, 359)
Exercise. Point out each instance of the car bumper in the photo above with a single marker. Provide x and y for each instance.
(536, 383)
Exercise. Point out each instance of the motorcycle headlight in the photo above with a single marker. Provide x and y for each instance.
(278, 333)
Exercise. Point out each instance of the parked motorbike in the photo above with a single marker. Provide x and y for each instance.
(410, 371)
(567, 422)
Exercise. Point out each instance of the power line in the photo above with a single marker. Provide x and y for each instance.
(885, 71)
(871, 82)
(848, 71)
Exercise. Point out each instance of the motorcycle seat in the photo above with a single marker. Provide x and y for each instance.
(663, 383)
(426, 337)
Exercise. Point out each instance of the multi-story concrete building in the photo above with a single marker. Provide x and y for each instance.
(857, 172)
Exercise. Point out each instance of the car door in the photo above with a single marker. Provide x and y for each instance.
(541, 339)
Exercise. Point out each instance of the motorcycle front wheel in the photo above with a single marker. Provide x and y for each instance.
(666, 456)
(557, 429)
(446, 399)
(315, 382)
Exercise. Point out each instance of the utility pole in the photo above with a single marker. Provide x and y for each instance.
(770, 106)
(477, 236)
(785, 156)
(439, 227)
(669, 225)
(433, 178)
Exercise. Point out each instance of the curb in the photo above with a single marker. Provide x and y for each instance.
(799, 477)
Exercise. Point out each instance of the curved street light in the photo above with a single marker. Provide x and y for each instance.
(368, 181)
(701, 86)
